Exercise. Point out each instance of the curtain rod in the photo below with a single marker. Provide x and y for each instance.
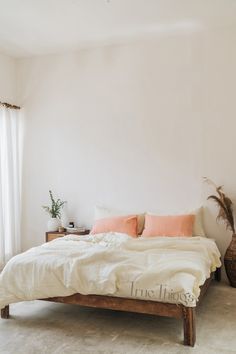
(8, 105)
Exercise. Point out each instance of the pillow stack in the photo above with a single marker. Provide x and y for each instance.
(148, 225)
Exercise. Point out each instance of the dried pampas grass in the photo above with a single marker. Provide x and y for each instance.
(225, 206)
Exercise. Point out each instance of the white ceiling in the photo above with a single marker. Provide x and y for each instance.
(36, 27)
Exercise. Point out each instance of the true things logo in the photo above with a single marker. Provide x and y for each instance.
(163, 293)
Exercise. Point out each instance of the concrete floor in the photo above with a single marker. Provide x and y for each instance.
(39, 327)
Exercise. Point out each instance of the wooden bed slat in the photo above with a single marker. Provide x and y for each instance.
(122, 304)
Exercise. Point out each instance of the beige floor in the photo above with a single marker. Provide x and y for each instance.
(41, 327)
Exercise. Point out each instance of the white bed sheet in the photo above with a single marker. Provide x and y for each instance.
(166, 269)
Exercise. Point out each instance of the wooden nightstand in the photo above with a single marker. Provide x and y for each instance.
(51, 235)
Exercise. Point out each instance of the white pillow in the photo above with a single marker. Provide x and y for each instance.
(198, 229)
(101, 213)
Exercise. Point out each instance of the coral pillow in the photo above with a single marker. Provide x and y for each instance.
(124, 224)
(198, 227)
(102, 213)
(176, 225)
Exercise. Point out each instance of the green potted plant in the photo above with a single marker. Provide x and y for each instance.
(226, 216)
(54, 210)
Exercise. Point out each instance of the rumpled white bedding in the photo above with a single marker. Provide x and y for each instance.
(166, 269)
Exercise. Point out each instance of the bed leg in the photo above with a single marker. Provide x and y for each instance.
(189, 326)
(5, 312)
(218, 274)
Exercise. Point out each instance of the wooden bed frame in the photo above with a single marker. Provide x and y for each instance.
(139, 306)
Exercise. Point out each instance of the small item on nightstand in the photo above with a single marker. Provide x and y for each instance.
(75, 229)
(61, 229)
(71, 224)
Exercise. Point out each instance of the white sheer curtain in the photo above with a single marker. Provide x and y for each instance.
(10, 183)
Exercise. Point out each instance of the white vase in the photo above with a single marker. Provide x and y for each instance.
(53, 224)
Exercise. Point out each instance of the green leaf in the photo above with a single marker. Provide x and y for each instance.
(56, 206)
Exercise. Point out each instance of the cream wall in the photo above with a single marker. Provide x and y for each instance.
(7, 79)
(132, 126)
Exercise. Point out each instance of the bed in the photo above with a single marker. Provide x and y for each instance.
(114, 271)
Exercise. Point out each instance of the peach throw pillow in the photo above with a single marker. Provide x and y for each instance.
(124, 224)
(176, 225)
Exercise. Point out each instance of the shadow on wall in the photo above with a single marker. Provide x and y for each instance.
(216, 231)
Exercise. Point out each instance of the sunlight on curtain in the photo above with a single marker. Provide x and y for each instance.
(10, 183)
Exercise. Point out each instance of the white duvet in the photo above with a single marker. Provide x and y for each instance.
(166, 269)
